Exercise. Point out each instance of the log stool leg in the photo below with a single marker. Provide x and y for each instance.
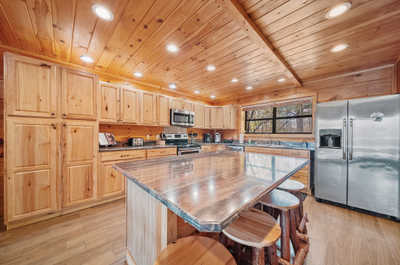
(285, 236)
(272, 256)
(258, 257)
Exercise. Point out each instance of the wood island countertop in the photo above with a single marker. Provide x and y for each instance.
(209, 190)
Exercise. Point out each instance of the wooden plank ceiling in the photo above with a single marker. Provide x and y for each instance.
(296, 34)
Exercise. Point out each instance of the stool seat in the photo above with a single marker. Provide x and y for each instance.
(254, 228)
(281, 200)
(195, 250)
(292, 185)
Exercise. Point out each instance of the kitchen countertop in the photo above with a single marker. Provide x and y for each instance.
(209, 190)
(125, 147)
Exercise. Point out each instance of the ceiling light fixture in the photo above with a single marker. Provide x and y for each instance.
(197, 92)
(212, 96)
(249, 88)
(339, 47)
(87, 59)
(102, 12)
(338, 10)
(235, 80)
(281, 80)
(138, 74)
(172, 48)
(210, 67)
(172, 85)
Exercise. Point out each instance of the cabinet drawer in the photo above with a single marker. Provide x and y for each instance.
(123, 155)
(160, 152)
(279, 152)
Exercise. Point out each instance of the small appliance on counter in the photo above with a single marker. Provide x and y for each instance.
(206, 138)
(107, 139)
(217, 138)
(135, 141)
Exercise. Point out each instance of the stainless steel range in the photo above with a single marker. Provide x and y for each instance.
(181, 140)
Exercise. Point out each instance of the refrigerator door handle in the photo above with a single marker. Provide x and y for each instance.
(344, 139)
(351, 140)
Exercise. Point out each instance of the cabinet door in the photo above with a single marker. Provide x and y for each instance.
(214, 118)
(130, 105)
(79, 159)
(177, 104)
(163, 110)
(207, 118)
(199, 116)
(110, 103)
(111, 182)
(227, 117)
(30, 87)
(187, 106)
(79, 95)
(149, 102)
(234, 117)
(31, 159)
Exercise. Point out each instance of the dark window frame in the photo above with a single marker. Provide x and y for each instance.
(274, 119)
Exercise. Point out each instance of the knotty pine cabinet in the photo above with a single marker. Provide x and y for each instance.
(31, 167)
(230, 117)
(163, 105)
(110, 101)
(79, 94)
(217, 117)
(207, 117)
(110, 182)
(130, 105)
(199, 116)
(149, 108)
(30, 87)
(79, 172)
(181, 104)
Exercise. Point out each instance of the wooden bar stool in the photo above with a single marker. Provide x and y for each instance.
(284, 202)
(257, 230)
(195, 250)
(296, 188)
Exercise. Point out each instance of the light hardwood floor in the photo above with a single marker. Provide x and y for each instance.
(96, 236)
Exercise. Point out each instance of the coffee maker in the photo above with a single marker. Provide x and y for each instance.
(207, 138)
(217, 137)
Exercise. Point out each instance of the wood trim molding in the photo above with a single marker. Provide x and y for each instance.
(396, 77)
(254, 33)
(108, 77)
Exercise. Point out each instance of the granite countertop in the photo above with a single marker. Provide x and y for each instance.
(126, 147)
(209, 190)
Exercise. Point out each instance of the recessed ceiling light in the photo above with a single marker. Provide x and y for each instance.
(235, 80)
(172, 48)
(210, 67)
(338, 10)
(249, 88)
(339, 47)
(102, 12)
(197, 92)
(172, 85)
(212, 96)
(138, 74)
(281, 80)
(87, 59)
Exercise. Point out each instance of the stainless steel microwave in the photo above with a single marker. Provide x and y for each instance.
(182, 118)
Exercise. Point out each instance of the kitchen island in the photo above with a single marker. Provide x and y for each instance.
(207, 191)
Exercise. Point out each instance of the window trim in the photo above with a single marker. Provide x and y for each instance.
(274, 119)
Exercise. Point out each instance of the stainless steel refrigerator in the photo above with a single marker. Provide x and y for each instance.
(357, 157)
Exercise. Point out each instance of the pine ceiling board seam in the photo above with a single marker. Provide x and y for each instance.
(377, 11)
(255, 33)
(104, 29)
(63, 15)
(263, 8)
(156, 17)
(281, 11)
(39, 13)
(84, 26)
(195, 45)
(8, 35)
(184, 11)
(17, 14)
(130, 19)
(189, 30)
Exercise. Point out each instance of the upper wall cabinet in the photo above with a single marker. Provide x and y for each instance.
(163, 110)
(109, 102)
(79, 95)
(149, 109)
(181, 104)
(130, 105)
(207, 117)
(199, 116)
(31, 87)
(217, 117)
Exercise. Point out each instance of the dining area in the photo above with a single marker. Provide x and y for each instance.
(225, 207)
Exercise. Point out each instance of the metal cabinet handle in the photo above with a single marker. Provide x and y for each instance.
(351, 140)
(344, 145)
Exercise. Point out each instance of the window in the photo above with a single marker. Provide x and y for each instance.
(285, 118)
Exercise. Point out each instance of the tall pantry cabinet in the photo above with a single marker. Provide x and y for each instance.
(51, 138)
